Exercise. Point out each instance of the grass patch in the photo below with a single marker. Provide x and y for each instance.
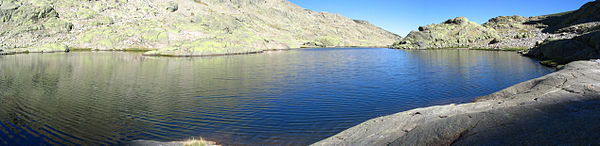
(486, 49)
(503, 49)
(137, 49)
(514, 49)
(80, 49)
(8, 53)
(458, 47)
(550, 63)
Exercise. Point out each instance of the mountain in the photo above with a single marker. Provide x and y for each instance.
(505, 32)
(177, 27)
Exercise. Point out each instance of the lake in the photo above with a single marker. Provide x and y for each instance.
(292, 97)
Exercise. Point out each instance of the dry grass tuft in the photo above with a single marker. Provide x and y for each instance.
(199, 142)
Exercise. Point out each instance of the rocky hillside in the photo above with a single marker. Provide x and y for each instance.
(177, 27)
(586, 19)
(458, 32)
(584, 22)
(557, 52)
(505, 32)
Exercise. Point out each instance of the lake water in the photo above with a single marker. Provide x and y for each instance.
(276, 98)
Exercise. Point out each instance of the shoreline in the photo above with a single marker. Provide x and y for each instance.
(514, 115)
(13, 52)
(4, 52)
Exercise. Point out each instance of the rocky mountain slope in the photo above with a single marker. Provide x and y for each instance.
(177, 27)
(505, 31)
(584, 22)
(556, 52)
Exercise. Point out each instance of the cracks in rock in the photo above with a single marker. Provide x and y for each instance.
(464, 134)
(563, 83)
(571, 91)
(461, 136)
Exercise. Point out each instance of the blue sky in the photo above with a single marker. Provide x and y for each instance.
(402, 16)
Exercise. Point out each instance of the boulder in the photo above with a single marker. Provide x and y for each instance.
(495, 41)
(506, 22)
(172, 6)
(583, 47)
(458, 20)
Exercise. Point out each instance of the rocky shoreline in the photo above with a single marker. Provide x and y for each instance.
(559, 108)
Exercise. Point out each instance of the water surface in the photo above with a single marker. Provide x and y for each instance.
(277, 98)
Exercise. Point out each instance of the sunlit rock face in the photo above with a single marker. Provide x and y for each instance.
(453, 33)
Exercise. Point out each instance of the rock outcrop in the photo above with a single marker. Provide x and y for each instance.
(584, 22)
(557, 52)
(457, 32)
(514, 32)
(560, 108)
(180, 27)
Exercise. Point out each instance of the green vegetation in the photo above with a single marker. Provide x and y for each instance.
(46, 48)
(549, 63)
(515, 49)
(327, 41)
(501, 49)
(80, 49)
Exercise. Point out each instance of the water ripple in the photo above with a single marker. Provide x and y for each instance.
(292, 98)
